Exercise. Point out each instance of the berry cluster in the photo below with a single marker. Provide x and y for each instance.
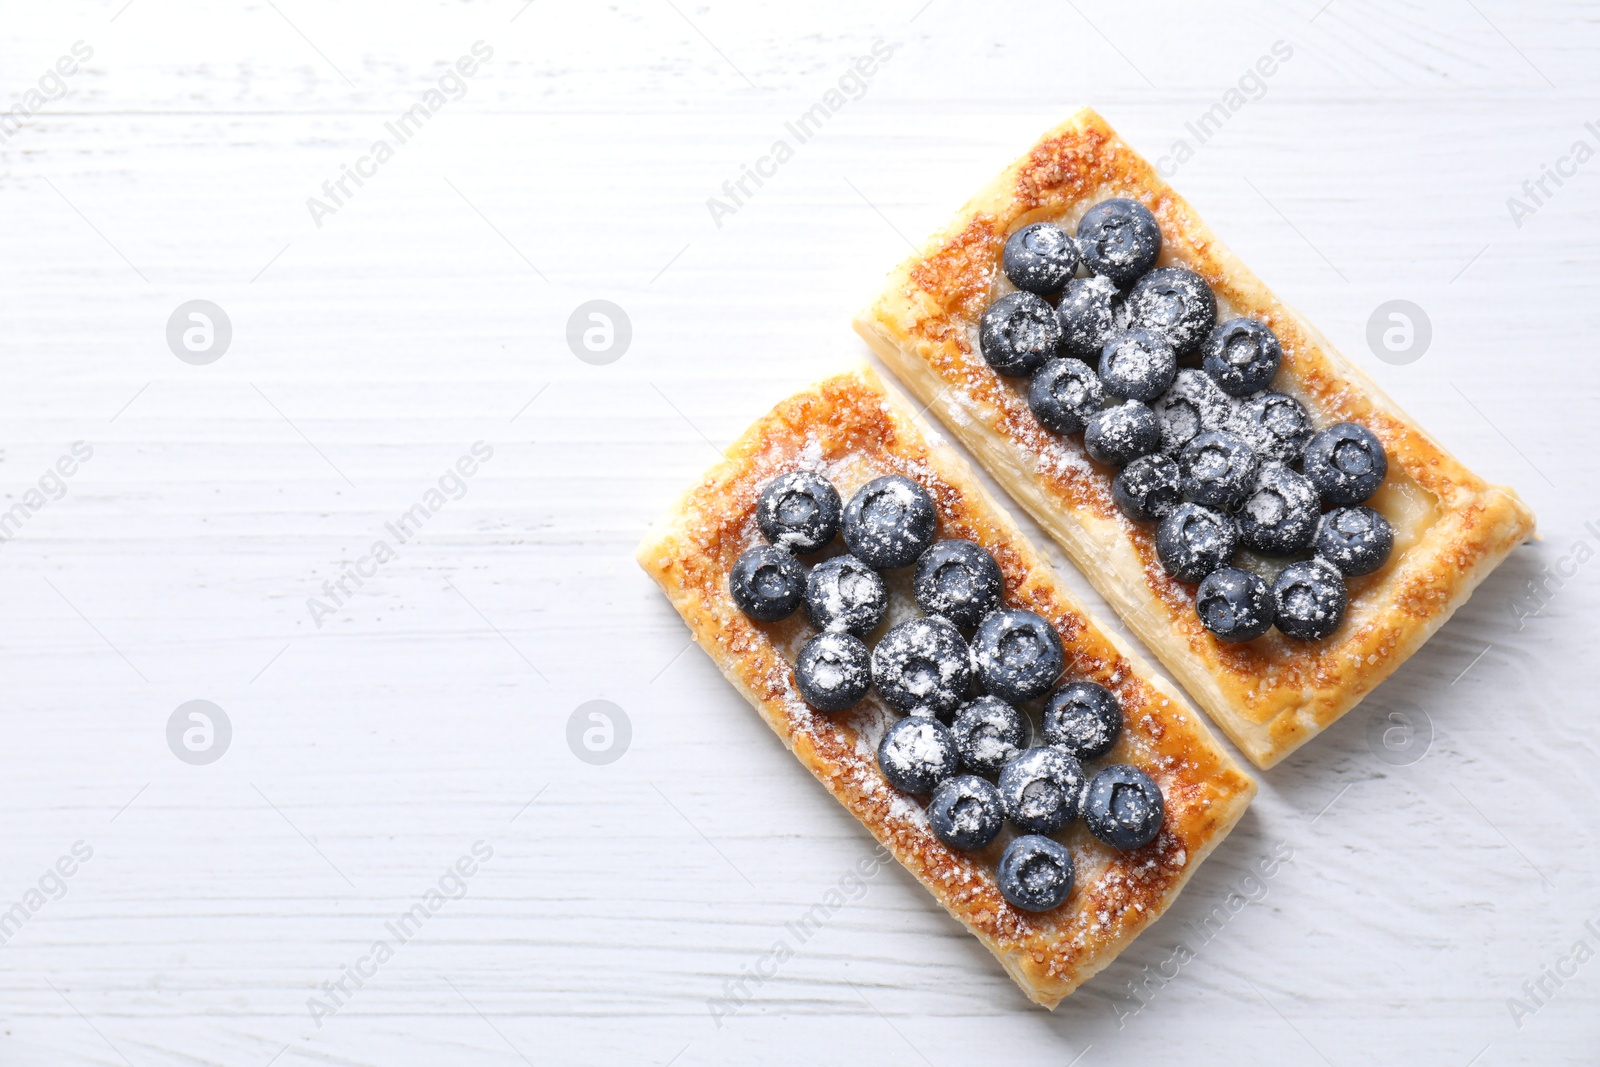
(1181, 404)
(962, 697)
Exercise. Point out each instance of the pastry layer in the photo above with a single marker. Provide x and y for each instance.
(1270, 695)
(851, 429)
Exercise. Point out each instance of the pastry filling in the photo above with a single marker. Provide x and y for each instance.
(967, 674)
(1182, 408)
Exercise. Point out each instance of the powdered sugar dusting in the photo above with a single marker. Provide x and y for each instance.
(903, 809)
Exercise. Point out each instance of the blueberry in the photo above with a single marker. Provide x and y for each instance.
(966, 812)
(1309, 599)
(1355, 540)
(1040, 258)
(1279, 517)
(1217, 469)
(1083, 718)
(959, 581)
(1346, 463)
(1018, 332)
(1192, 406)
(1277, 427)
(1234, 604)
(1242, 355)
(1147, 489)
(1123, 807)
(989, 733)
(1120, 435)
(767, 583)
(923, 665)
(1088, 316)
(1042, 789)
(798, 511)
(890, 522)
(1119, 240)
(1174, 301)
(1064, 395)
(845, 594)
(833, 671)
(1193, 541)
(1035, 873)
(1017, 654)
(916, 754)
(1137, 364)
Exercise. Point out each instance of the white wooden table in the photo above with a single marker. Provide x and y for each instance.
(429, 710)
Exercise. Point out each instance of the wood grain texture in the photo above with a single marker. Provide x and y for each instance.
(433, 706)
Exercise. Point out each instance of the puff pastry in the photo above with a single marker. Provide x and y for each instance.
(852, 429)
(1270, 695)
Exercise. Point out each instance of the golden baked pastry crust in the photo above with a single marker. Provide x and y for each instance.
(852, 429)
(1270, 695)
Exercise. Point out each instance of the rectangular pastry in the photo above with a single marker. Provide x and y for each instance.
(1269, 691)
(848, 431)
